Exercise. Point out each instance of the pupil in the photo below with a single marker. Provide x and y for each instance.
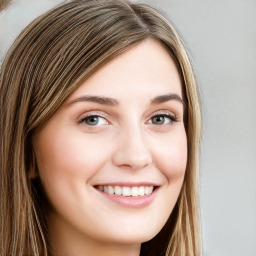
(92, 120)
(158, 120)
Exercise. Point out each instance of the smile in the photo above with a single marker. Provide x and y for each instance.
(127, 191)
(136, 196)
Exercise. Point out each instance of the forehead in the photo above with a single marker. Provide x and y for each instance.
(146, 69)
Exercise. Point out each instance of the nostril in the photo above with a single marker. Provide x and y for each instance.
(132, 160)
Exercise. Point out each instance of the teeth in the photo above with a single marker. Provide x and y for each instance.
(141, 191)
(150, 189)
(110, 190)
(135, 191)
(118, 190)
(127, 191)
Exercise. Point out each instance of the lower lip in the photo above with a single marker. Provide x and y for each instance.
(131, 202)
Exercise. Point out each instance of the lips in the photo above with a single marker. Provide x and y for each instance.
(129, 195)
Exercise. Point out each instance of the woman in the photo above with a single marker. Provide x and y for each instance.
(100, 123)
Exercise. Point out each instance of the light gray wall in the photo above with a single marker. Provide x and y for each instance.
(221, 39)
(17, 16)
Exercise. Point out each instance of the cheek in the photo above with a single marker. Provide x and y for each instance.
(66, 161)
(171, 156)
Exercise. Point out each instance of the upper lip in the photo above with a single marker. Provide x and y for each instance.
(128, 184)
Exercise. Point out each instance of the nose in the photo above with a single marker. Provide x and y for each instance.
(132, 150)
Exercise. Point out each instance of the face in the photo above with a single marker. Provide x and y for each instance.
(112, 159)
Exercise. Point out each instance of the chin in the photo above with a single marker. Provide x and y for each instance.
(133, 234)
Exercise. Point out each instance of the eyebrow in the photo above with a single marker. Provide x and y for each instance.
(163, 98)
(113, 102)
(96, 99)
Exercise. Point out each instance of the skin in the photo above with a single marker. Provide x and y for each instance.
(126, 145)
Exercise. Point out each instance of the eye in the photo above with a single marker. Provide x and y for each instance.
(162, 119)
(94, 120)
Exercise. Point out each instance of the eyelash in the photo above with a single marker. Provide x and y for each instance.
(83, 120)
(172, 119)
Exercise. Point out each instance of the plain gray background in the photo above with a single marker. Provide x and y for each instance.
(221, 39)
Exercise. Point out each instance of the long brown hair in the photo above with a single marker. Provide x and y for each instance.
(50, 59)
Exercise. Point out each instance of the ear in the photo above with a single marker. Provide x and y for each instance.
(33, 172)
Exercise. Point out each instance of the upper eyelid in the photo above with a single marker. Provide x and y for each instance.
(172, 116)
(162, 112)
(175, 114)
(92, 113)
